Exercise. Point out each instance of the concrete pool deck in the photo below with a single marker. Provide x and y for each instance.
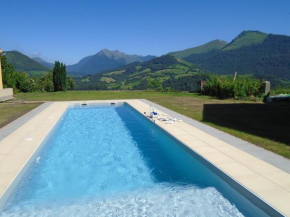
(270, 181)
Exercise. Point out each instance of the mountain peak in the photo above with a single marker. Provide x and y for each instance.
(104, 51)
(246, 38)
(105, 59)
(246, 32)
(23, 63)
(110, 54)
(251, 52)
(216, 42)
(43, 62)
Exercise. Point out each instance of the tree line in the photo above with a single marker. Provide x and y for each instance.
(57, 80)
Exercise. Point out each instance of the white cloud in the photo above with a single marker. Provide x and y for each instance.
(35, 54)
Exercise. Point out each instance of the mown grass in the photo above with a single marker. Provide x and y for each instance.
(10, 111)
(280, 90)
(238, 118)
(99, 95)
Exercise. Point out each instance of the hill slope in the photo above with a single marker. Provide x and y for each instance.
(44, 63)
(134, 76)
(246, 38)
(249, 53)
(104, 60)
(23, 63)
(213, 45)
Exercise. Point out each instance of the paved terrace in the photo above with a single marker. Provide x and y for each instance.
(239, 160)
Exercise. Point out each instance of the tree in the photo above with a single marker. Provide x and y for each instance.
(8, 73)
(155, 83)
(46, 82)
(56, 76)
(19, 81)
(59, 77)
(24, 82)
(71, 84)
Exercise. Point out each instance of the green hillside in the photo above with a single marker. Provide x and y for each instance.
(213, 45)
(136, 75)
(246, 38)
(249, 53)
(23, 63)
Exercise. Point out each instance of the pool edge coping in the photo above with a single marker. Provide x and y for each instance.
(253, 192)
(62, 111)
(259, 152)
(18, 122)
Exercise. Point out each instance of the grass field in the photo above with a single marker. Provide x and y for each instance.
(107, 79)
(280, 90)
(265, 125)
(9, 111)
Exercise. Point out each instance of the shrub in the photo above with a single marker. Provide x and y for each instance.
(8, 74)
(45, 83)
(24, 82)
(225, 87)
(71, 84)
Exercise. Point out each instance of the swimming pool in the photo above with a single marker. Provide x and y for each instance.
(112, 161)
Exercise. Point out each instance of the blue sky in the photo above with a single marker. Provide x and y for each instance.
(68, 30)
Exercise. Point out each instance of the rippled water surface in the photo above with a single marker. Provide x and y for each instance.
(111, 161)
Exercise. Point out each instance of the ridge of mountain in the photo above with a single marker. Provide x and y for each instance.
(24, 63)
(104, 60)
(43, 62)
(212, 45)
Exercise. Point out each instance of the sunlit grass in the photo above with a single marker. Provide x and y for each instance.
(11, 111)
(189, 104)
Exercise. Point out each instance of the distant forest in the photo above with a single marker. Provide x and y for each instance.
(272, 57)
(171, 73)
(163, 68)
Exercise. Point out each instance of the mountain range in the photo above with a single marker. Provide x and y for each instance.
(44, 63)
(101, 61)
(251, 52)
(104, 60)
(166, 68)
(23, 63)
(210, 46)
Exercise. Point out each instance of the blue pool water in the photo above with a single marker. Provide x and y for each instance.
(111, 161)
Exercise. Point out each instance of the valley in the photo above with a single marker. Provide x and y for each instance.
(251, 53)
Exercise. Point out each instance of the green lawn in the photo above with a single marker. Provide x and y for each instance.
(280, 90)
(99, 95)
(265, 125)
(10, 111)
